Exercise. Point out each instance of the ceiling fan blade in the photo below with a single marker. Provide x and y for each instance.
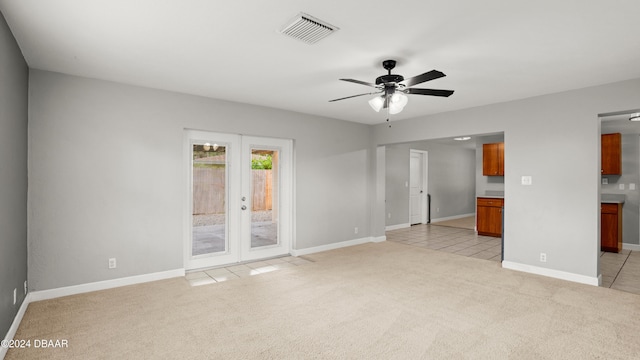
(352, 96)
(432, 92)
(431, 75)
(360, 82)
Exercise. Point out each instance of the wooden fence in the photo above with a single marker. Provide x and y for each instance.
(209, 185)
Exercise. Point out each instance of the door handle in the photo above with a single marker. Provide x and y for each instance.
(244, 207)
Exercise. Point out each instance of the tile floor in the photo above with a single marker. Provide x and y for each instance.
(619, 271)
(212, 276)
(449, 239)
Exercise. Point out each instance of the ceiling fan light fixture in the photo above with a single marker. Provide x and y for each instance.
(397, 103)
(377, 103)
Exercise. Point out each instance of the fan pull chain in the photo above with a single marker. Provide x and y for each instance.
(388, 115)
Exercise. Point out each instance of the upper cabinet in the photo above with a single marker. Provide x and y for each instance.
(611, 154)
(493, 159)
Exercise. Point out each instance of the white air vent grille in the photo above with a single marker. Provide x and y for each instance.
(308, 29)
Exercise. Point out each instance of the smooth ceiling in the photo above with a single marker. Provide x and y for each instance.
(492, 51)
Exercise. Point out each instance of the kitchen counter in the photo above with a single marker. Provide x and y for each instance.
(612, 198)
(492, 194)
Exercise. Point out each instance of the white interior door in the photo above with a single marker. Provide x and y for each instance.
(417, 188)
(239, 200)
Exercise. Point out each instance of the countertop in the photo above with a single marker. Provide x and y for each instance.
(494, 194)
(604, 198)
(612, 198)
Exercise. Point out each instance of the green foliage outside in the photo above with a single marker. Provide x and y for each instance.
(261, 162)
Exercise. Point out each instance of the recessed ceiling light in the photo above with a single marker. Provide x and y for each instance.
(635, 117)
(462, 138)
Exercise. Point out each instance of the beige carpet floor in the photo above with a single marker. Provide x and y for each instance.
(468, 222)
(373, 301)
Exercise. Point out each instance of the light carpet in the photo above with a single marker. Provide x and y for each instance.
(372, 301)
(468, 222)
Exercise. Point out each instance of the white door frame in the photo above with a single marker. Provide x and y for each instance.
(424, 177)
(237, 232)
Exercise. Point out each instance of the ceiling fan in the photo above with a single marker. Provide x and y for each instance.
(392, 89)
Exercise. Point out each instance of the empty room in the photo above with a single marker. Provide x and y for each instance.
(326, 180)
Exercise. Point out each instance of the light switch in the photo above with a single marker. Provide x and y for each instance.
(526, 180)
(621, 186)
(605, 181)
(632, 186)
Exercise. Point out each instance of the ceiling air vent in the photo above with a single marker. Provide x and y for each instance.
(308, 29)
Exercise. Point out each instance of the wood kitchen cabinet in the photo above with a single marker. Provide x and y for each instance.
(611, 227)
(611, 154)
(493, 159)
(489, 216)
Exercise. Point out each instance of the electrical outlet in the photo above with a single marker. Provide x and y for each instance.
(605, 181)
(437, 209)
(15, 295)
(389, 216)
(526, 180)
(621, 186)
(25, 287)
(112, 263)
(632, 186)
(355, 231)
(543, 257)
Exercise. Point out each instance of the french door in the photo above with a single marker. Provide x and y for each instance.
(239, 198)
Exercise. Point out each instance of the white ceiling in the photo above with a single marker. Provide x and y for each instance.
(492, 51)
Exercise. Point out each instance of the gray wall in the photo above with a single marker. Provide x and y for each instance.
(13, 176)
(106, 175)
(630, 174)
(451, 180)
(555, 139)
(487, 183)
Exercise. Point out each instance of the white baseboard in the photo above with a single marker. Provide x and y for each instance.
(337, 245)
(452, 217)
(102, 285)
(396, 227)
(16, 323)
(563, 275)
(632, 247)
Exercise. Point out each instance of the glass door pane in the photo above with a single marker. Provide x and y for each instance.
(209, 175)
(212, 206)
(264, 198)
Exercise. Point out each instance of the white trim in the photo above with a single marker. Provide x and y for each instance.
(396, 227)
(16, 323)
(452, 217)
(334, 246)
(103, 285)
(632, 247)
(378, 239)
(563, 275)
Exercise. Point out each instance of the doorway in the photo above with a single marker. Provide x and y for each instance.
(239, 198)
(418, 209)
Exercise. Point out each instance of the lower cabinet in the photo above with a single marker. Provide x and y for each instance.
(489, 216)
(611, 227)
